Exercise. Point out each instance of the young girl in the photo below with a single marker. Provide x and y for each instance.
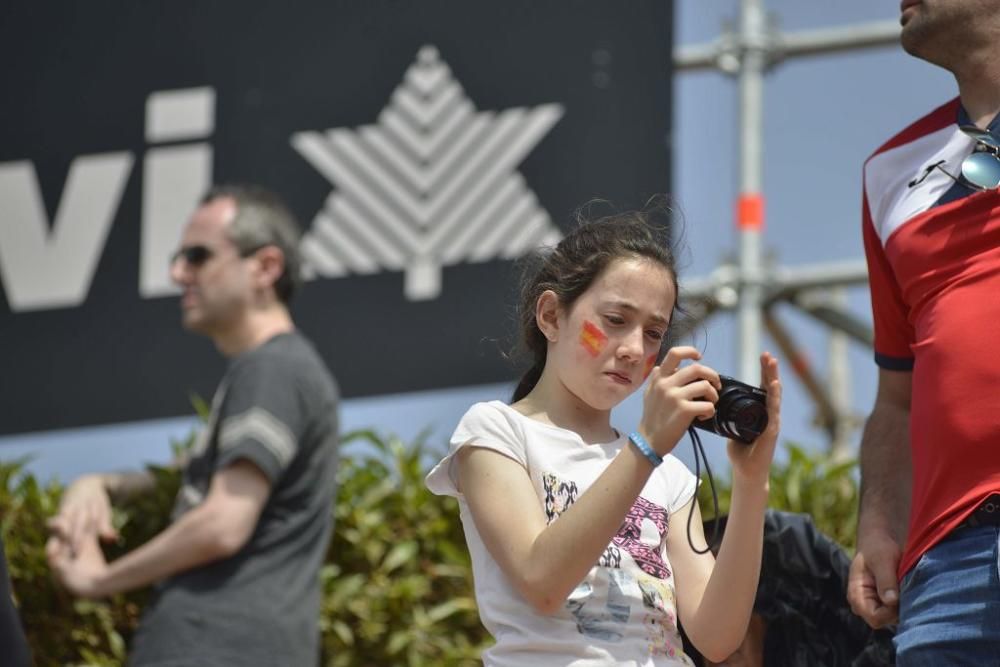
(577, 530)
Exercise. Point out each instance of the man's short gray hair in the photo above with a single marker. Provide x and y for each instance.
(263, 219)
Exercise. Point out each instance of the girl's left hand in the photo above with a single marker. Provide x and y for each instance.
(753, 461)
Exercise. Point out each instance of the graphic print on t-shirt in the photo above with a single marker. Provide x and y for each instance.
(600, 603)
(605, 623)
(629, 537)
(661, 625)
(559, 495)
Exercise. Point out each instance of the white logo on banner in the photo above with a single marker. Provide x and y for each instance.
(432, 184)
(45, 265)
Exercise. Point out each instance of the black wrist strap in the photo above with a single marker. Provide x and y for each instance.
(699, 454)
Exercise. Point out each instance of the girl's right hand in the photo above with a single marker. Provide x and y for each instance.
(677, 396)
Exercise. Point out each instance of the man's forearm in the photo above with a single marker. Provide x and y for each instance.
(193, 540)
(124, 485)
(886, 471)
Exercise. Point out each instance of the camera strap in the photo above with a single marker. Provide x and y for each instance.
(699, 455)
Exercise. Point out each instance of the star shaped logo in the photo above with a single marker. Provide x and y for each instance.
(433, 183)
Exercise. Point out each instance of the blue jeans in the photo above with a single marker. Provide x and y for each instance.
(949, 608)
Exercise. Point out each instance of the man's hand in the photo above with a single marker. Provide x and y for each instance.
(872, 587)
(886, 478)
(84, 513)
(81, 571)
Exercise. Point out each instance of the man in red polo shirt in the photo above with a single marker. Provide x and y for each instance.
(930, 454)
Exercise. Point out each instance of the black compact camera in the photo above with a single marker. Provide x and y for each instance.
(740, 414)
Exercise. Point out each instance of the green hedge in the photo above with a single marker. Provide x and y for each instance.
(808, 483)
(397, 583)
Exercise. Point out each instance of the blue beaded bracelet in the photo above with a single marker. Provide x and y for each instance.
(643, 446)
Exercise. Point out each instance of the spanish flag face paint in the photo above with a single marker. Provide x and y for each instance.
(592, 338)
(648, 368)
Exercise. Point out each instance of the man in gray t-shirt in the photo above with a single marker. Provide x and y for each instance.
(236, 572)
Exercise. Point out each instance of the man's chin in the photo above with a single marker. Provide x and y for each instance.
(911, 37)
(192, 322)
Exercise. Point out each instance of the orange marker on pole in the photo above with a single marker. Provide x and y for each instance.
(750, 211)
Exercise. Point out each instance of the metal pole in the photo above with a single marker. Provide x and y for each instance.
(749, 287)
(750, 203)
(840, 385)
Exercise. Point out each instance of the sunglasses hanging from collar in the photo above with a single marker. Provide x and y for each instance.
(980, 170)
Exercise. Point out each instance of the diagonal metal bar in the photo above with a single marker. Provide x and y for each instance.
(835, 317)
(827, 412)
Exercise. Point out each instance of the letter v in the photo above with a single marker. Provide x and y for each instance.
(50, 269)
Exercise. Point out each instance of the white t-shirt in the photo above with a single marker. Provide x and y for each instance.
(623, 612)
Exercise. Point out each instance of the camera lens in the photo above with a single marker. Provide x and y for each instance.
(740, 412)
(740, 416)
(745, 419)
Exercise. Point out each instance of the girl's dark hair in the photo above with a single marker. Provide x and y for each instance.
(572, 266)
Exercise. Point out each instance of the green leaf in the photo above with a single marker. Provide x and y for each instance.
(401, 553)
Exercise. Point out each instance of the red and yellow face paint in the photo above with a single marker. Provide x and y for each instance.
(592, 338)
(648, 368)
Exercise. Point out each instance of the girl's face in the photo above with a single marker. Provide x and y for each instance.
(608, 341)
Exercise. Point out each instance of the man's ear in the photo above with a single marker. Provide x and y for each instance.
(271, 264)
(547, 312)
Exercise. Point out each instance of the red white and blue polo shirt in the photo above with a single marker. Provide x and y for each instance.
(933, 251)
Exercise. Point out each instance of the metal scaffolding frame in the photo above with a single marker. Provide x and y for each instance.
(752, 286)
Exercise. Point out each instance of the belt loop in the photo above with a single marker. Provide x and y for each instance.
(986, 514)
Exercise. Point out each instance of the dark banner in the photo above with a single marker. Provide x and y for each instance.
(425, 146)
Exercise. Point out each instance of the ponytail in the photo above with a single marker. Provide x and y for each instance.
(529, 380)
